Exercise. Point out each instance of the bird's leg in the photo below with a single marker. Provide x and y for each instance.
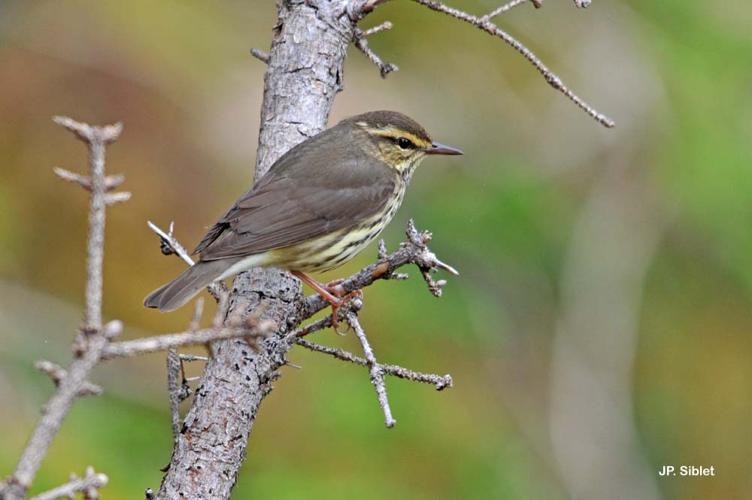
(318, 288)
(331, 292)
(335, 288)
(325, 294)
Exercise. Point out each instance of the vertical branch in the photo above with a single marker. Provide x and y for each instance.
(97, 139)
(304, 74)
(374, 369)
(174, 386)
(94, 337)
(95, 243)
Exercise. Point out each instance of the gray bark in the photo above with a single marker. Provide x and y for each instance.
(304, 74)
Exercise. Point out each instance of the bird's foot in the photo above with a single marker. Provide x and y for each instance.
(335, 288)
(333, 293)
(342, 301)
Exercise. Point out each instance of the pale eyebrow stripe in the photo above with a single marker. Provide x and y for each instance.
(394, 133)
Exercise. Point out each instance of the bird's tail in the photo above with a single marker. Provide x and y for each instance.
(183, 288)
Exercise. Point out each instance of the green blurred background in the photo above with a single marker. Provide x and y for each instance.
(601, 325)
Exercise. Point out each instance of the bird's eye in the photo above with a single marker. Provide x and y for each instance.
(405, 143)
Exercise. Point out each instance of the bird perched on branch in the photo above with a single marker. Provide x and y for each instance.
(319, 205)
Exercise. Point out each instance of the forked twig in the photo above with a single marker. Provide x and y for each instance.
(360, 41)
(483, 23)
(414, 250)
(89, 485)
(374, 369)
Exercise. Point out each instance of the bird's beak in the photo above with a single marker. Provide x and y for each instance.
(441, 149)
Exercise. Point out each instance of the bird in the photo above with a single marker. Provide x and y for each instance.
(318, 206)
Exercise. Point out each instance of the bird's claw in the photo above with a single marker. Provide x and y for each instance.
(344, 300)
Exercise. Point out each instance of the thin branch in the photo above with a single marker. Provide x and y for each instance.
(110, 181)
(130, 348)
(483, 23)
(88, 485)
(114, 198)
(359, 39)
(223, 303)
(504, 8)
(317, 325)
(260, 55)
(193, 357)
(96, 138)
(169, 245)
(374, 369)
(441, 382)
(385, 26)
(58, 374)
(198, 312)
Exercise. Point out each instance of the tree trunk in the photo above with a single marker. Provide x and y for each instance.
(304, 74)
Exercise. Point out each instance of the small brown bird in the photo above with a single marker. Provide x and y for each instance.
(319, 205)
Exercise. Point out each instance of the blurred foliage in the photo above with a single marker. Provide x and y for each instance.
(675, 75)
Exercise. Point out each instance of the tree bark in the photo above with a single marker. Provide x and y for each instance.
(304, 74)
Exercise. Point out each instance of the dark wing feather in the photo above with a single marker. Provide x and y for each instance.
(297, 201)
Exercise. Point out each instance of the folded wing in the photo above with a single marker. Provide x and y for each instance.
(296, 203)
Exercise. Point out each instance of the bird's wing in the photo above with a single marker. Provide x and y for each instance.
(291, 205)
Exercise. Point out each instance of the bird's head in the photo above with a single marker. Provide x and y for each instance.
(395, 139)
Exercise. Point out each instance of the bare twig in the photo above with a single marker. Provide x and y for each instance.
(359, 39)
(130, 348)
(58, 374)
(198, 312)
(114, 198)
(222, 303)
(374, 369)
(88, 485)
(484, 23)
(441, 382)
(310, 328)
(504, 8)
(110, 181)
(96, 138)
(385, 26)
(260, 55)
(192, 357)
(169, 245)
